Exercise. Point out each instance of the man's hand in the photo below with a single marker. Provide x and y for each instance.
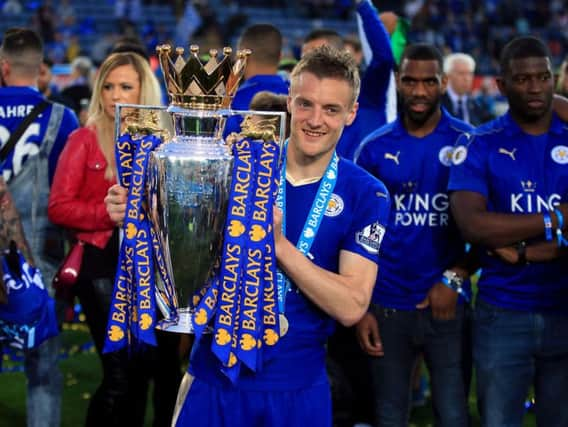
(368, 335)
(115, 202)
(277, 224)
(442, 300)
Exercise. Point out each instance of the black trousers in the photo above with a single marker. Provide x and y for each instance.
(120, 399)
(349, 371)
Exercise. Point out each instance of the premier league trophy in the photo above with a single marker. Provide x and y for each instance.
(189, 176)
(198, 242)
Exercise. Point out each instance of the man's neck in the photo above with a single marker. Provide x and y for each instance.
(302, 168)
(21, 82)
(454, 96)
(535, 128)
(255, 69)
(421, 130)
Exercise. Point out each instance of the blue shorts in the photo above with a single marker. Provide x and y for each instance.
(218, 406)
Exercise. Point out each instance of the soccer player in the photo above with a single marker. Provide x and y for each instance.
(509, 184)
(374, 96)
(261, 72)
(332, 284)
(28, 170)
(418, 301)
(348, 363)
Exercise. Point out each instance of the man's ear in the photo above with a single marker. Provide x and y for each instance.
(352, 114)
(4, 69)
(501, 85)
(444, 82)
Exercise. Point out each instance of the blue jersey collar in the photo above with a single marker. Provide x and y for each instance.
(442, 127)
(19, 90)
(512, 128)
(263, 79)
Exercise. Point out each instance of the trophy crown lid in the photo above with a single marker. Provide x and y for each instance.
(199, 85)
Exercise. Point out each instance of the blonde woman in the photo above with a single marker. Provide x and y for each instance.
(85, 171)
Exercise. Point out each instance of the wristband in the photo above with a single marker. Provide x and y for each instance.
(522, 253)
(451, 280)
(559, 236)
(547, 226)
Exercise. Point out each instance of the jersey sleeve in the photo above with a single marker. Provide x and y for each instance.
(366, 154)
(370, 218)
(469, 165)
(375, 80)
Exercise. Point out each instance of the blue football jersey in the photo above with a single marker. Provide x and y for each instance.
(246, 92)
(423, 239)
(518, 174)
(15, 104)
(375, 82)
(354, 221)
(28, 318)
(250, 87)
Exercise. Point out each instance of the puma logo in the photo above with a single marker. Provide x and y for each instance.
(511, 153)
(393, 157)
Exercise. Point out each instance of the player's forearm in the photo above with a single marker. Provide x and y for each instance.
(335, 294)
(495, 230)
(376, 34)
(468, 264)
(544, 251)
(11, 224)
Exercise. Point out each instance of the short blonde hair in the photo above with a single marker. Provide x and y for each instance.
(327, 62)
(150, 94)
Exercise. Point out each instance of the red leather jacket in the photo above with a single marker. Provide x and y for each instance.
(76, 199)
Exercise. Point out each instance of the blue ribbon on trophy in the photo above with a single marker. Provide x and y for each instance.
(234, 252)
(270, 311)
(236, 297)
(120, 315)
(165, 296)
(311, 226)
(252, 295)
(132, 314)
(246, 343)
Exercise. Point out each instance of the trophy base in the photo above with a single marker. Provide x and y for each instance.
(183, 325)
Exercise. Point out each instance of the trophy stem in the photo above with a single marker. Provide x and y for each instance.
(201, 125)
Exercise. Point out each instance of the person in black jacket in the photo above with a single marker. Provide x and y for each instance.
(459, 102)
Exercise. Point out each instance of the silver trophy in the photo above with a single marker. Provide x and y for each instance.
(189, 174)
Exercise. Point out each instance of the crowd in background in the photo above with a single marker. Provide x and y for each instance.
(478, 27)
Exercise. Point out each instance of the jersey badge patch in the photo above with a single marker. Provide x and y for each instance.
(560, 154)
(335, 206)
(445, 155)
(459, 155)
(371, 237)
